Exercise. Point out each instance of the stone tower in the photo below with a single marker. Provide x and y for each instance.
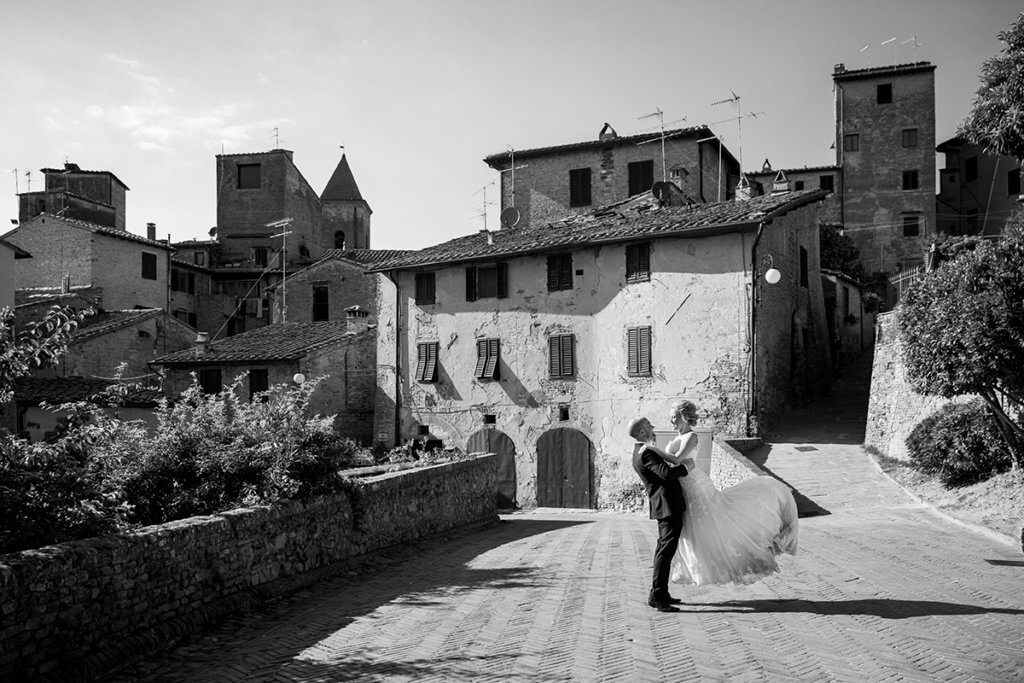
(346, 215)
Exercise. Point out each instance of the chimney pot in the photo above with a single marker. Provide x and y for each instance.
(202, 343)
(151, 231)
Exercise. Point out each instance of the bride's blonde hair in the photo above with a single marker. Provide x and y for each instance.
(686, 410)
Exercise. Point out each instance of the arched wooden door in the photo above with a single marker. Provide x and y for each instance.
(565, 466)
(493, 441)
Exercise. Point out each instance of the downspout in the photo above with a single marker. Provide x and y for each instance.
(398, 360)
(840, 149)
(753, 409)
(700, 165)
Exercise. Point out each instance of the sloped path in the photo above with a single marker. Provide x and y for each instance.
(882, 589)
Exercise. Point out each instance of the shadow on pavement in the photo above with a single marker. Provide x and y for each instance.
(804, 505)
(455, 667)
(884, 608)
(1007, 563)
(378, 579)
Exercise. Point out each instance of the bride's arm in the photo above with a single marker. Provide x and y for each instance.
(681, 453)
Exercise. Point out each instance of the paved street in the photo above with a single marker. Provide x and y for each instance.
(883, 589)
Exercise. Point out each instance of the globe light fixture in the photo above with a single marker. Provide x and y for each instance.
(298, 378)
(771, 273)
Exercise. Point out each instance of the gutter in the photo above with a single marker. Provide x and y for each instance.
(752, 410)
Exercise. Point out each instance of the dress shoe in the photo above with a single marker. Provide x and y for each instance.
(672, 601)
(662, 606)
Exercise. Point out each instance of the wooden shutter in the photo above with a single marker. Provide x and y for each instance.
(493, 354)
(430, 372)
(502, 280)
(568, 355)
(481, 358)
(565, 271)
(553, 272)
(633, 351)
(644, 261)
(421, 361)
(554, 357)
(644, 357)
(470, 283)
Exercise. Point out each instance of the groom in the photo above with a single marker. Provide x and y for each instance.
(666, 505)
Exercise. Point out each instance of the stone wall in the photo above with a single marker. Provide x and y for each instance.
(894, 409)
(85, 607)
(729, 463)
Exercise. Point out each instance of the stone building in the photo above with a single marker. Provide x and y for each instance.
(977, 191)
(9, 253)
(850, 316)
(541, 343)
(549, 183)
(92, 196)
(344, 352)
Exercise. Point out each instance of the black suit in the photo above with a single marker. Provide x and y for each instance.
(667, 505)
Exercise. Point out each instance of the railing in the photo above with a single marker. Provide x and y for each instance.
(901, 282)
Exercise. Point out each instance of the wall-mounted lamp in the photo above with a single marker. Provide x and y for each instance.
(772, 274)
(298, 378)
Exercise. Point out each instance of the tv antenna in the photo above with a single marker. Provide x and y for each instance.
(735, 99)
(275, 131)
(28, 180)
(865, 49)
(483, 212)
(17, 190)
(661, 125)
(913, 41)
(512, 169)
(886, 42)
(283, 223)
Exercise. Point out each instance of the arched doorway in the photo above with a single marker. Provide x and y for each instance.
(493, 441)
(565, 469)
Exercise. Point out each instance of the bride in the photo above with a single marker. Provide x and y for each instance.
(732, 535)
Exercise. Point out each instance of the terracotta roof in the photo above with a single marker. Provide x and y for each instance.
(105, 322)
(876, 71)
(175, 261)
(68, 389)
(501, 158)
(582, 231)
(18, 251)
(33, 296)
(342, 185)
(73, 168)
(278, 150)
(367, 256)
(280, 341)
(805, 169)
(194, 243)
(99, 229)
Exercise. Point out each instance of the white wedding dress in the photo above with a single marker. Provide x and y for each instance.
(733, 535)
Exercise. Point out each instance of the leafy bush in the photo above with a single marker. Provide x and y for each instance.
(961, 443)
(621, 489)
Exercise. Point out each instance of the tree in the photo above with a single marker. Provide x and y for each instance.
(838, 252)
(39, 345)
(962, 330)
(996, 119)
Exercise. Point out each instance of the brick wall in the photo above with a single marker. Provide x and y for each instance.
(347, 285)
(56, 249)
(134, 345)
(351, 218)
(78, 609)
(117, 269)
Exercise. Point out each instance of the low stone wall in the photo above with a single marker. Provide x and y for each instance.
(77, 610)
(729, 463)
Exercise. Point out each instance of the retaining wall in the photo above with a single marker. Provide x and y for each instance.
(76, 610)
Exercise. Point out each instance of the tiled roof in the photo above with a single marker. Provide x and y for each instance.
(101, 229)
(33, 296)
(188, 264)
(61, 190)
(876, 71)
(367, 256)
(18, 251)
(74, 169)
(497, 160)
(280, 341)
(583, 231)
(342, 185)
(806, 169)
(194, 243)
(278, 150)
(105, 322)
(68, 389)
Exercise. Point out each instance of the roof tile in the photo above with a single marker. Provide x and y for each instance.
(280, 341)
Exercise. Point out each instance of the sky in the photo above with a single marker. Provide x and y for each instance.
(419, 92)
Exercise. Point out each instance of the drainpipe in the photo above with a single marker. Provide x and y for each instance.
(754, 266)
(398, 359)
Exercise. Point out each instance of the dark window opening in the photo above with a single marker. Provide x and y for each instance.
(910, 137)
(209, 381)
(972, 221)
(258, 381)
(579, 187)
(559, 272)
(910, 180)
(563, 413)
(804, 279)
(339, 239)
(638, 262)
(426, 288)
(638, 351)
(259, 256)
(321, 309)
(561, 356)
(148, 266)
(490, 419)
(426, 362)
(827, 183)
(488, 353)
(199, 258)
(1013, 182)
(192, 320)
(485, 282)
(851, 142)
(971, 169)
(798, 185)
(191, 286)
(641, 176)
(175, 277)
(911, 226)
(248, 176)
(884, 93)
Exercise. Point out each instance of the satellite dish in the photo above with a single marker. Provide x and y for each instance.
(510, 217)
(662, 190)
(213, 232)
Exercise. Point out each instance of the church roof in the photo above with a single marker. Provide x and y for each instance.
(342, 185)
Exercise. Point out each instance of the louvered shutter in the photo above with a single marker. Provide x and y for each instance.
(493, 353)
(421, 361)
(554, 357)
(553, 272)
(633, 351)
(565, 272)
(644, 357)
(430, 372)
(568, 356)
(481, 358)
(643, 262)
(470, 284)
(502, 280)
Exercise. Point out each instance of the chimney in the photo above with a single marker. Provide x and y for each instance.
(743, 189)
(151, 231)
(202, 343)
(356, 319)
(839, 68)
(65, 284)
(781, 183)
(607, 133)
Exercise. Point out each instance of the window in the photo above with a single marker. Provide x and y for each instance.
(181, 314)
(559, 272)
(638, 351)
(972, 221)
(209, 381)
(561, 356)
(804, 280)
(487, 282)
(248, 176)
(426, 362)
(339, 239)
(851, 142)
(579, 187)
(827, 183)
(426, 288)
(638, 262)
(488, 353)
(911, 225)
(199, 258)
(798, 185)
(971, 169)
(259, 256)
(191, 286)
(1013, 182)
(910, 180)
(884, 93)
(910, 137)
(641, 176)
(175, 277)
(321, 310)
(258, 381)
(192, 320)
(149, 266)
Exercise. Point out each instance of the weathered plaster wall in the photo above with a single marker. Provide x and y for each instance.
(81, 606)
(7, 276)
(347, 285)
(135, 345)
(56, 249)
